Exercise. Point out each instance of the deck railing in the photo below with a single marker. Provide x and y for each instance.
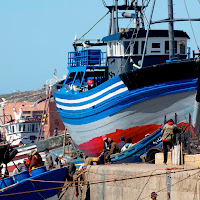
(90, 57)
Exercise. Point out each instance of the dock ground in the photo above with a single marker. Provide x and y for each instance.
(136, 181)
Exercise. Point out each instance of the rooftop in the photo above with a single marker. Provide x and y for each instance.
(27, 96)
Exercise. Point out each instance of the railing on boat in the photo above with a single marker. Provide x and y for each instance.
(89, 57)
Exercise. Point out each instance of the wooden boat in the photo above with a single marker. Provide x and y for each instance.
(134, 153)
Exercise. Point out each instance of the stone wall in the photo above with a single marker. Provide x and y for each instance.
(138, 181)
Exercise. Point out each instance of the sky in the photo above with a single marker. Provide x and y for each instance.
(36, 35)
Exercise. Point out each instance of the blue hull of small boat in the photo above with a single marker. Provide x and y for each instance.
(36, 190)
(133, 154)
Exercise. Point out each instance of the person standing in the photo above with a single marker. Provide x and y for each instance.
(48, 160)
(105, 149)
(168, 135)
(122, 143)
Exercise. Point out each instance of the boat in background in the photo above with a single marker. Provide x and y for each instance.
(123, 92)
(21, 131)
(42, 184)
(22, 135)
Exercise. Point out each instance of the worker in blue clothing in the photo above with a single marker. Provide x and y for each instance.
(122, 143)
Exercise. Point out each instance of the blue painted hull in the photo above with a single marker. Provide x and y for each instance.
(36, 190)
(132, 155)
(131, 104)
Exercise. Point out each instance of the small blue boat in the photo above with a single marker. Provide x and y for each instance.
(41, 185)
(134, 153)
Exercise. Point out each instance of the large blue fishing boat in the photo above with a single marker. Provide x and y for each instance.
(145, 75)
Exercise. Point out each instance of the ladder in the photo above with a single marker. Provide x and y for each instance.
(44, 114)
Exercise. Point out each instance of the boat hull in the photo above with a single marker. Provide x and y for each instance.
(134, 153)
(133, 122)
(47, 183)
(131, 105)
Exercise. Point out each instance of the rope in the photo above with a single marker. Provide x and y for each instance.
(124, 177)
(173, 184)
(16, 193)
(129, 46)
(38, 192)
(92, 27)
(191, 26)
(107, 180)
(145, 185)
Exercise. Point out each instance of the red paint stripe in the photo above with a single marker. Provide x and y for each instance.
(94, 147)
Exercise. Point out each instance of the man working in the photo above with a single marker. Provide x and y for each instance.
(113, 149)
(168, 135)
(36, 160)
(49, 160)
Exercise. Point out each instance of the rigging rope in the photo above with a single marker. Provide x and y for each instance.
(129, 47)
(191, 26)
(93, 26)
(111, 180)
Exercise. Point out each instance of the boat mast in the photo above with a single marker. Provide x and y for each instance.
(114, 26)
(171, 30)
(116, 17)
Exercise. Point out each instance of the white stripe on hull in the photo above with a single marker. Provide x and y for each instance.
(149, 112)
(90, 97)
(89, 105)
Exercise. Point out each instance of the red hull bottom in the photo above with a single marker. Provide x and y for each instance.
(94, 147)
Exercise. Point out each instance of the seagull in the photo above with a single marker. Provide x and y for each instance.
(35, 104)
(86, 45)
(75, 38)
(3, 103)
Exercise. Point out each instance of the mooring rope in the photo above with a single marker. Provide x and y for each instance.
(109, 180)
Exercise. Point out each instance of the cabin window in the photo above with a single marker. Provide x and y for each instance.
(33, 127)
(155, 45)
(118, 48)
(13, 129)
(20, 127)
(142, 47)
(126, 48)
(37, 114)
(182, 46)
(135, 47)
(36, 127)
(29, 127)
(24, 127)
(155, 48)
(167, 47)
(26, 112)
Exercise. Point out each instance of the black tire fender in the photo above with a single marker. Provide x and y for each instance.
(150, 157)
